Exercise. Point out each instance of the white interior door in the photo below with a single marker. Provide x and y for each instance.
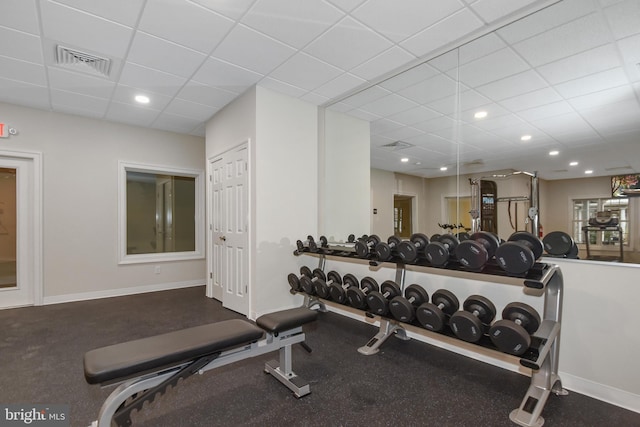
(17, 287)
(229, 259)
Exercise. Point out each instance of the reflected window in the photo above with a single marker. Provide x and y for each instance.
(583, 209)
(160, 214)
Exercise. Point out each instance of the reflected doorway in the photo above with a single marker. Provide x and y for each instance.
(402, 215)
(8, 227)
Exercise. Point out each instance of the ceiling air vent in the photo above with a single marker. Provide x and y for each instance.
(397, 145)
(82, 61)
(617, 168)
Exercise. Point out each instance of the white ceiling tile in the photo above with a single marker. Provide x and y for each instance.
(199, 130)
(443, 33)
(388, 105)
(198, 112)
(151, 80)
(546, 19)
(19, 15)
(153, 52)
(432, 125)
(624, 18)
(485, 69)
(480, 47)
(364, 97)
(131, 114)
(80, 83)
(410, 77)
(398, 23)
(558, 125)
(384, 125)
(69, 27)
(585, 63)
(126, 12)
(292, 21)
(364, 115)
(513, 85)
(305, 71)
(126, 94)
(251, 50)
(493, 111)
(614, 118)
(437, 87)
(432, 142)
(341, 84)
(414, 115)
(630, 49)
(207, 95)
(623, 93)
(79, 104)
(499, 122)
(26, 94)
(347, 44)
(346, 5)
(547, 110)
(340, 107)
(401, 133)
(23, 46)
(232, 9)
(281, 87)
(492, 10)
(532, 99)
(448, 61)
(226, 76)
(384, 63)
(470, 99)
(577, 36)
(21, 70)
(379, 141)
(593, 83)
(197, 28)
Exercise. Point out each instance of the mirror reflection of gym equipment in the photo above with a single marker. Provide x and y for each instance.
(402, 215)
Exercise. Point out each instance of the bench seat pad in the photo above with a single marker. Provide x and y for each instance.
(284, 320)
(134, 358)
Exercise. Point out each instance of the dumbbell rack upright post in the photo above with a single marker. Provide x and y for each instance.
(543, 359)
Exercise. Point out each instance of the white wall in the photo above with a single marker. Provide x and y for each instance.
(382, 189)
(80, 158)
(345, 177)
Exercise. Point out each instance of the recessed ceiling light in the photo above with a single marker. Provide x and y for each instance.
(573, 164)
(443, 168)
(142, 99)
(480, 114)
(404, 159)
(588, 172)
(554, 153)
(525, 137)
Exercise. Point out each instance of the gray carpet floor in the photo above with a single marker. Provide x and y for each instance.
(409, 383)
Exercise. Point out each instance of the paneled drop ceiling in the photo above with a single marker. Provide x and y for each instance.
(192, 57)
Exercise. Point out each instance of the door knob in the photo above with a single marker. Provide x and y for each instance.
(223, 238)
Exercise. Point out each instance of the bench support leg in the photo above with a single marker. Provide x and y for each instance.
(283, 372)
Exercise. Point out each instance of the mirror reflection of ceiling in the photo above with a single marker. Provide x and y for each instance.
(567, 76)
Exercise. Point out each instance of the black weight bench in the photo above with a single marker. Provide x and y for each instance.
(147, 366)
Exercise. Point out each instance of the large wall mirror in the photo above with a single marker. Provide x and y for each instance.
(556, 93)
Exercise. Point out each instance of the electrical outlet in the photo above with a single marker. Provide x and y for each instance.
(156, 269)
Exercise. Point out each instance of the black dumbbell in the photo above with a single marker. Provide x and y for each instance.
(338, 291)
(321, 288)
(324, 243)
(357, 296)
(378, 301)
(433, 315)
(519, 253)
(439, 251)
(463, 236)
(365, 244)
(308, 244)
(560, 244)
(410, 249)
(294, 280)
(470, 324)
(435, 237)
(512, 334)
(474, 253)
(383, 251)
(308, 283)
(404, 308)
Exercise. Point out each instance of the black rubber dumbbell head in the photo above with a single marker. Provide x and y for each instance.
(321, 288)
(383, 251)
(378, 301)
(338, 292)
(558, 243)
(365, 245)
(357, 297)
(474, 253)
(404, 309)
(519, 253)
(513, 333)
(294, 280)
(438, 252)
(307, 282)
(408, 251)
(469, 325)
(433, 315)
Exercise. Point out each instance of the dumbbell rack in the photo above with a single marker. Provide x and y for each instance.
(542, 357)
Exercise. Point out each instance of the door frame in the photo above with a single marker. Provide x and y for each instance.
(35, 216)
(211, 291)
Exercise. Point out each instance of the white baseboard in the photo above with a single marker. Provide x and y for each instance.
(109, 293)
(612, 395)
